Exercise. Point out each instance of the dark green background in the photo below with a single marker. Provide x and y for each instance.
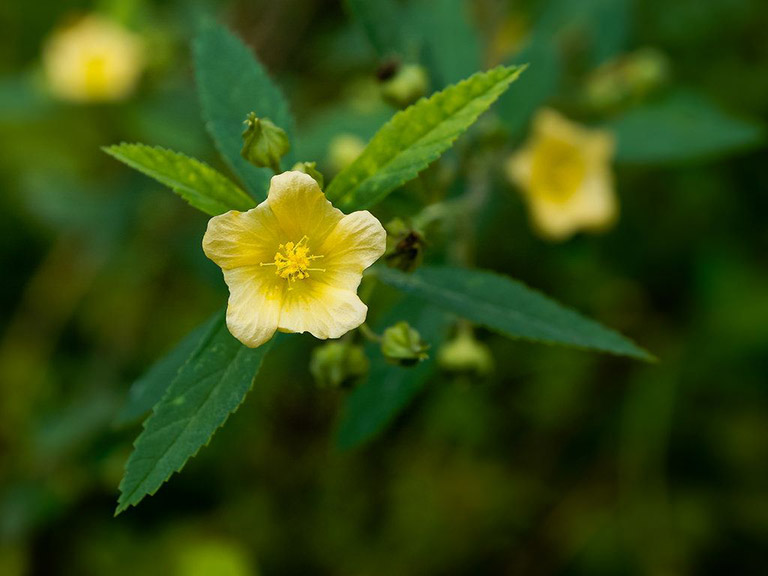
(561, 462)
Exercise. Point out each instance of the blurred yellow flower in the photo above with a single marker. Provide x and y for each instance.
(94, 59)
(294, 262)
(565, 176)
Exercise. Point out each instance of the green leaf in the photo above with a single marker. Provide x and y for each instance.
(452, 46)
(415, 137)
(389, 389)
(210, 386)
(195, 181)
(382, 22)
(232, 83)
(679, 128)
(151, 387)
(605, 23)
(509, 307)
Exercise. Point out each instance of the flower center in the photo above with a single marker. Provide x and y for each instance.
(293, 261)
(558, 169)
(96, 79)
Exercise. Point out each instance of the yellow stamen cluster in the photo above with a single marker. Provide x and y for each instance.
(292, 261)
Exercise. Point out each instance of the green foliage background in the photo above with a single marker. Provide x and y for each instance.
(561, 462)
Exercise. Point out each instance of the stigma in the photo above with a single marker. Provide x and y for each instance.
(293, 261)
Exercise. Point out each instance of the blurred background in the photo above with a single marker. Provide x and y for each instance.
(557, 462)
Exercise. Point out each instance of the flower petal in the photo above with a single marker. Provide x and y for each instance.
(255, 301)
(242, 238)
(301, 208)
(593, 207)
(356, 242)
(596, 207)
(322, 310)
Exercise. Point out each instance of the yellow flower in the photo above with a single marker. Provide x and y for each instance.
(294, 262)
(94, 59)
(565, 175)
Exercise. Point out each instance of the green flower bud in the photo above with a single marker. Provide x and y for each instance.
(465, 355)
(311, 169)
(343, 150)
(337, 364)
(645, 70)
(401, 344)
(264, 143)
(405, 246)
(626, 79)
(405, 86)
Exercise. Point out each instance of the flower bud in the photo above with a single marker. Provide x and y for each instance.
(405, 86)
(337, 364)
(343, 150)
(311, 169)
(401, 344)
(626, 79)
(465, 355)
(264, 143)
(405, 246)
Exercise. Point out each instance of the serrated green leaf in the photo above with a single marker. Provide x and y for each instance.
(389, 389)
(232, 83)
(679, 128)
(151, 387)
(209, 387)
(509, 307)
(196, 182)
(415, 137)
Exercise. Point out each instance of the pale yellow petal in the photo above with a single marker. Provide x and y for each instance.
(601, 147)
(593, 207)
(301, 208)
(552, 220)
(596, 206)
(357, 241)
(518, 168)
(255, 301)
(242, 238)
(322, 310)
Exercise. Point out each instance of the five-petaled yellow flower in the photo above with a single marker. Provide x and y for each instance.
(93, 60)
(565, 175)
(294, 262)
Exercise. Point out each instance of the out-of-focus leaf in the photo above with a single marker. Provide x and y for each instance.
(451, 43)
(341, 119)
(605, 22)
(209, 387)
(232, 83)
(415, 137)
(509, 307)
(681, 127)
(382, 21)
(195, 181)
(388, 389)
(151, 387)
(21, 100)
(542, 79)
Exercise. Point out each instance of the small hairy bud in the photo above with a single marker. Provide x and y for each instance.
(343, 150)
(264, 143)
(311, 169)
(338, 364)
(405, 86)
(465, 355)
(401, 344)
(405, 246)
